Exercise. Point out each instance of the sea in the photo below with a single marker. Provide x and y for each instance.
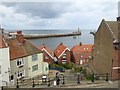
(53, 42)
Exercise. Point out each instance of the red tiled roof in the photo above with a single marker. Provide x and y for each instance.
(82, 48)
(59, 49)
(46, 49)
(18, 50)
(82, 55)
(2, 40)
(2, 43)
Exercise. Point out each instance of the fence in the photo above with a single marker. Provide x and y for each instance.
(61, 79)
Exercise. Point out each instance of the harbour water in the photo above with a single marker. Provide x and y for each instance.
(70, 41)
(85, 38)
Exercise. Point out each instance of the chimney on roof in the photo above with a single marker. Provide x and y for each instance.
(43, 45)
(61, 43)
(118, 18)
(80, 43)
(19, 37)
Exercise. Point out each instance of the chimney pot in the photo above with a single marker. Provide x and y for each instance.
(118, 18)
(80, 43)
(19, 32)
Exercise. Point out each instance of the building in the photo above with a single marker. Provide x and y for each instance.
(106, 51)
(26, 60)
(81, 54)
(47, 54)
(4, 61)
(62, 54)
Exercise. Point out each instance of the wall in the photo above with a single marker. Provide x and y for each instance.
(32, 63)
(15, 69)
(5, 66)
(49, 60)
(102, 55)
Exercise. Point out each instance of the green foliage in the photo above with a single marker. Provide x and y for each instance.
(78, 69)
(59, 65)
(89, 77)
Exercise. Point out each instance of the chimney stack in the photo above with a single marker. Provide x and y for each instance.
(118, 18)
(80, 43)
(19, 37)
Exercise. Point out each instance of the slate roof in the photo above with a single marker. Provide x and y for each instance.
(113, 25)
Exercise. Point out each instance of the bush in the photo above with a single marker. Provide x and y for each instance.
(89, 77)
(78, 69)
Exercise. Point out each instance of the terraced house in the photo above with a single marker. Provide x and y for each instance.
(4, 61)
(107, 49)
(26, 60)
(47, 54)
(81, 53)
(62, 54)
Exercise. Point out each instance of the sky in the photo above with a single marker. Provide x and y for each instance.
(45, 14)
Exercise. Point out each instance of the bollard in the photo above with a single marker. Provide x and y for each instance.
(2, 88)
(33, 85)
(63, 80)
(93, 77)
(78, 82)
(17, 84)
(106, 77)
(48, 82)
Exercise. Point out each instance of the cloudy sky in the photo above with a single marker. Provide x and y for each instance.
(57, 15)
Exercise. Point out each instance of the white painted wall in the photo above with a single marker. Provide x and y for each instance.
(5, 66)
(41, 66)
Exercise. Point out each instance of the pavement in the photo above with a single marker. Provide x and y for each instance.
(83, 84)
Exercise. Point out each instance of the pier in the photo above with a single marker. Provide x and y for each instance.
(35, 36)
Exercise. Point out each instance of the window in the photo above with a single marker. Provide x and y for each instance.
(46, 57)
(20, 62)
(81, 56)
(21, 74)
(34, 57)
(12, 77)
(0, 69)
(34, 68)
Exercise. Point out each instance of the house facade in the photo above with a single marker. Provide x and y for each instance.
(62, 54)
(26, 60)
(81, 54)
(4, 61)
(106, 51)
(47, 54)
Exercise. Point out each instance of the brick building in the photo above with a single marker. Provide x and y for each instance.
(81, 54)
(62, 53)
(47, 54)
